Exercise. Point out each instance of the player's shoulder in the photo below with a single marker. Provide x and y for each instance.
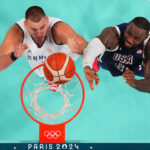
(122, 25)
(53, 21)
(120, 28)
(108, 31)
(109, 38)
(21, 20)
(15, 30)
(147, 48)
(54, 18)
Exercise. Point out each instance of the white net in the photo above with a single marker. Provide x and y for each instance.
(50, 103)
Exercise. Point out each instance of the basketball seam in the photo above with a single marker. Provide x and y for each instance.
(65, 78)
(61, 75)
(64, 68)
(57, 67)
(70, 71)
(50, 69)
(57, 76)
(64, 65)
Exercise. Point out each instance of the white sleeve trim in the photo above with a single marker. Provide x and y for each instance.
(145, 41)
(21, 24)
(53, 21)
(118, 30)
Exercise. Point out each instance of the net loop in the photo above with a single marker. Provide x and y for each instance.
(35, 85)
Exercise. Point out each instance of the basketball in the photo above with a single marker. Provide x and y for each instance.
(59, 68)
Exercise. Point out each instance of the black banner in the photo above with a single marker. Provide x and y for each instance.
(75, 146)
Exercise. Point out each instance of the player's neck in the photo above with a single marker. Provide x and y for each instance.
(39, 42)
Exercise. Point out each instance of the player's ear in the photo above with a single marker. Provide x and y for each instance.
(146, 36)
(128, 24)
(47, 19)
(25, 24)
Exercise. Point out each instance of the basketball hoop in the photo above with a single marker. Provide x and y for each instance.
(34, 91)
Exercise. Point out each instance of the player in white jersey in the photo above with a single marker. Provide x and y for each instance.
(38, 36)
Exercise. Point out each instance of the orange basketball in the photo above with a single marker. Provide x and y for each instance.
(59, 68)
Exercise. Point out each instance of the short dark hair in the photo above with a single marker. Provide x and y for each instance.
(142, 23)
(34, 13)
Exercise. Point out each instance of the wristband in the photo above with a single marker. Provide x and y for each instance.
(94, 48)
(13, 57)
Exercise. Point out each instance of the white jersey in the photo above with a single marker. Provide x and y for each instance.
(35, 54)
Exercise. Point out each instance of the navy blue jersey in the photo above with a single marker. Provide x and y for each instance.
(116, 61)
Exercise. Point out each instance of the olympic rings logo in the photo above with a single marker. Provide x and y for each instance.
(52, 134)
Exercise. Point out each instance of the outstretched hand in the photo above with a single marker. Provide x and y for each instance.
(19, 49)
(90, 76)
(129, 76)
(77, 44)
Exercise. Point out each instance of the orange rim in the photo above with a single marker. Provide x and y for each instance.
(22, 101)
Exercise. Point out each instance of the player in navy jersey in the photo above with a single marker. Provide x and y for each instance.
(122, 50)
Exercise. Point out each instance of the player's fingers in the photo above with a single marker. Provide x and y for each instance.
(130, 84)
(18, 48)
(94, 75)
(97, 81)
(127, 82)
(91, 84)
(19, 51)
(127, 69)
(125, 76)
(128, 79)
(91, 74)
(129, 74)
(25, 46)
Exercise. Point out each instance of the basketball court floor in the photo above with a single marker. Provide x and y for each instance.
(113, 112)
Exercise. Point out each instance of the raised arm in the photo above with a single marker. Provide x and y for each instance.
(12, 47)
(12, 38)
(144, 84)
(64, 34)
(108, 39)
